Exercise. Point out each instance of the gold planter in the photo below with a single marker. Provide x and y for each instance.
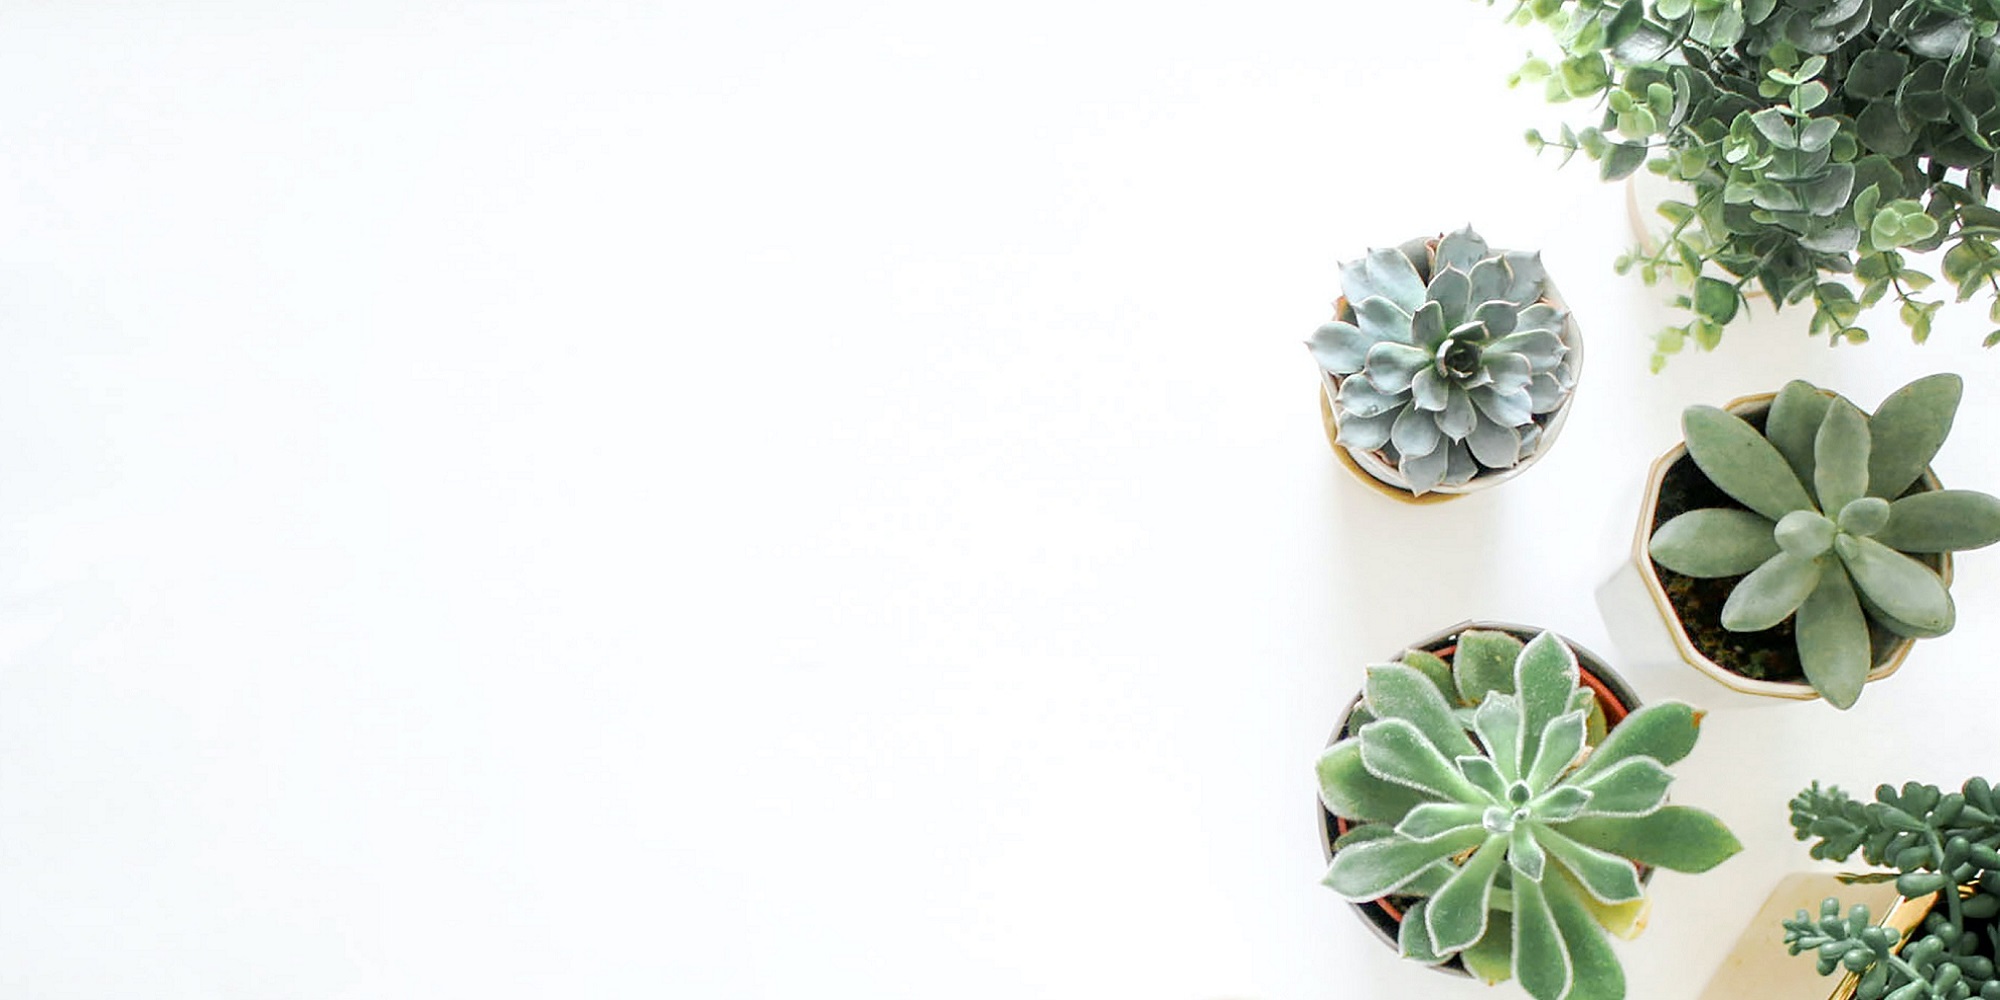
(1649, 573)
(1760, 967)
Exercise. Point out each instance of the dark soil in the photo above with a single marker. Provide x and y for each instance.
(1770, 655)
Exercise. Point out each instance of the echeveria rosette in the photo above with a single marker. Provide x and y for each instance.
(1828, 533)
(1483, 789)
(1445, 357)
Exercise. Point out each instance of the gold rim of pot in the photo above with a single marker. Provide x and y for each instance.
(1795, 690)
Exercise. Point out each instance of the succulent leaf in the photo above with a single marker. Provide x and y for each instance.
(1908, 429)
(1490, 279)
(1942, 521)
(1484, 662)
(1413, 938)
(1595, 971)
(1742, 462)
(1397, 691)
(1840, 456)
(1864, 516)
(1395, 750)
(1664, 731)
(1832, 637)
(1390, 275)
(1492, 958)
(1806, 534)
(1432, 820)
(1545, 673)
(1340, 347)
(1505, 410)
(1634, 786)
(1497, 720)
(1608, 877)
(1415, 432)
(1793, 425)
(1359, 398)
(1423, 472)
(1384, 321)
(1770, 593)
(1716, 541)
(1367, 433)
(1379, 867)
(1461, 250)
(1452, 291)
(1901, 586)
(1348, 790)
(1525, 854)
(1458, 418)
(1541, 962)
(1561, 743)
(1434, 667)
(1390, 366)
(1492, 444)
(1427, 329)
(1559, 804)
(1678, 838)
(1457, 915)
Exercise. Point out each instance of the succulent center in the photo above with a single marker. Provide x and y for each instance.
(1458, 357)
(1865, 516)
(1804, 533)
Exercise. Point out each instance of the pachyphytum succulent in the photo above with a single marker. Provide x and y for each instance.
(1829, 522)
(1447, 358)
(1487, 790)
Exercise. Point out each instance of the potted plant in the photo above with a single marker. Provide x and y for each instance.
(1448, 366)
(1820, 142)
(1797, 546)
(1497, 803)
(1942, 847)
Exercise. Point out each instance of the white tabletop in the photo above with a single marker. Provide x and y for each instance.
(585, 499)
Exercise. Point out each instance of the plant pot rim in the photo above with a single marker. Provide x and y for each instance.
(1375, 471)
(1683, 644)
(1377, 914)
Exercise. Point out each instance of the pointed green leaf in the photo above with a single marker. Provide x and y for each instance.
(1396, 750)
(1435, 819)
(1559, 804)
(1741, 462)
(1832, 638)
(1665, 731)
(1340, 347)
(1540, 960)
(1596, 972)
(1492, 959)
(1395, 691)
(1942, 521)
(1634, 786)
(1484, 662)
(1896, 583)
(1457, 915)
(1561, 743)
(1608, 877)
(1770, 593)
(1717, 541)
(1840, 455)
(1485, 776)
(1678, 838)
(1350, 792)
(1498, 723)
(1908, 429)
(1545, 675)
(1524, 853)
(1379, 867)
(1386, 273)
(1413, 936)
(1793, 424)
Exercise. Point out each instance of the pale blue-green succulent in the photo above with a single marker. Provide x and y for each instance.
(1829, 523)
(1487, 790)
(1448, 358)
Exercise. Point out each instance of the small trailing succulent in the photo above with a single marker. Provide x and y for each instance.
(1487, 790)
(1828, 524)
(1944, 843)
(1444, 357)
(1822, 139)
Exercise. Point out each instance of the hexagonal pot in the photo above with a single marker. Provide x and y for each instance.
(1675, 469)
(1384, 916)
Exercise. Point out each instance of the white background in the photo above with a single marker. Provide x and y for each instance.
(784, 500)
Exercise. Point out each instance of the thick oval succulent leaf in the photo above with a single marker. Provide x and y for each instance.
(1427, 327)
(1608, 877)
(1506, 409)
(1379, 867)
(1832, 638)
(1396, 691)
(1484, 775)
(1435, 668)
(1546, 393)
(1415, 432)
(1545, 675)
(1896, 583)
(1530, 277)
(1863, 516)
(1840, 456)
(1717, 541)
(1361, 833)
(1340, 347)
(1543, 317)
(1413, 936)
(1351, 792)
(1396, 750)
(1385, 273)
(1424, 473)
(1596, 973)
(1741, 462)
(1542, 349)
(1460, 250)
(1497, 316)
(1484, 662)
(1429, 390)
(1391, 366)
(1560, 745)
(1366, 433)
(1490, 279)
(1508, 374)
(1383, 321)
(1792, 426)
(1559, 804)
(1678, 838)
(1457, 914)
(1495, 447)
(1908, 429)
(1634, 786)
(1664, 731)
(1498, 723)
(1942, 521)
(1359, 398)
(1432, 820)
(1770, 593)
(1458, 417)
(1525, 854)
(1452, 291)
(1492, 958)
(1541, 962)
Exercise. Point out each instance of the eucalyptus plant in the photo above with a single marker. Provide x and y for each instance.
(1829, 526)
(1938, 842)
(1487, 791)
(1444, 358)
(1823, 140)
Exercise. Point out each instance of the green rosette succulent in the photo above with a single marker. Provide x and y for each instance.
(1447, 360)
(1830, 529)
(1937, 842)
(1487, 790)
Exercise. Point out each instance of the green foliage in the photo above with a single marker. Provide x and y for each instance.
(1828, 533)
(1448, 360)
(1821, 138)
(1937, 842)
(1510, 815)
